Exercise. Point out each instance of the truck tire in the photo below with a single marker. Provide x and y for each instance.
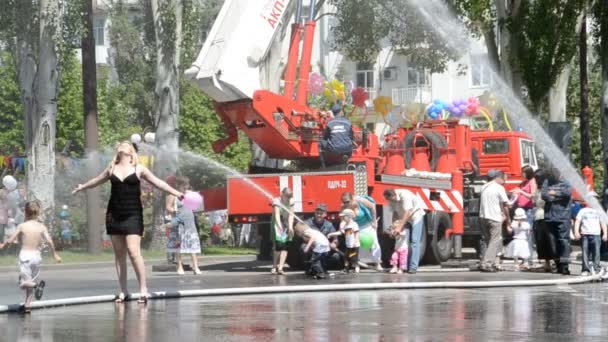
(266, 248)
(435, 139)
(439, 247)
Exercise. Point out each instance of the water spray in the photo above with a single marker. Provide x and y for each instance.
(457, 38)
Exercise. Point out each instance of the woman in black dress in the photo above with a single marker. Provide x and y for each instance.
(124, 216)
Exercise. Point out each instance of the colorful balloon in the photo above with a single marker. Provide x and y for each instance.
(9, 182)
(472, 106)
(366, 240)
(383, 105)
(193, 200)
(316, 84)
(334, 91)
(359, 97)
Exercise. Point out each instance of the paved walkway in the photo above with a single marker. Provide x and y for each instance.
(65, 281)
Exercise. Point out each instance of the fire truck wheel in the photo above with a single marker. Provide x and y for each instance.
(439, 247)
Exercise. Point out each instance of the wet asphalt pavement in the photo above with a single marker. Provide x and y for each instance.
(560, 313)
(577, 312)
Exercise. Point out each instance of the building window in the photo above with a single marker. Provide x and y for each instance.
(365, 75)
(480, 74)
(418, 76)
(99, 31)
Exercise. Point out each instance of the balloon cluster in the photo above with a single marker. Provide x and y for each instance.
(9, 182)
(472, 107)
(359, 96)
(316, 84)
(442, 110)
(334, 91)
(457, 107)
(437, 109)
(383, 105)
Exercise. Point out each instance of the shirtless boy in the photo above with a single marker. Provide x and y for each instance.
(31, 234)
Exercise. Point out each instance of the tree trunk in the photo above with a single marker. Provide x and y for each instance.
(40, 122)
(489, 36)
(559, 91)
(585, 128)
(505, 38)
(168, 43)
(602, 18)
(509, 66)
(558, 96)
(89, 92)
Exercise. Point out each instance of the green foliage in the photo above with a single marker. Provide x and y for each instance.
(134, 58)
(199, 128)
(11, 115)
(547, 40)
(478, 15)
(364, 24)
(197, 20)
(70, 116)
(573, 109)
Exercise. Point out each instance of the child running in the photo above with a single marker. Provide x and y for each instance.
(590, 228)
(319, 244)
(399, 257)
(31, 234)
(518, 248)
(350, 229)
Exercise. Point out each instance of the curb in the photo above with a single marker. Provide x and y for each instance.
(264, 290)
(149, 262)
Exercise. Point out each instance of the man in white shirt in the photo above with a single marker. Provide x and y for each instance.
(493, 211)
(408, 208)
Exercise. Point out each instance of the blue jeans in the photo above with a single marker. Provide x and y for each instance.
(317, 263)
(591, 252)
(415, 244)
(531, 238)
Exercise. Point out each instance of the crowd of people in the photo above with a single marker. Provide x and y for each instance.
(539, 217)
(324, 244)
(542, 217)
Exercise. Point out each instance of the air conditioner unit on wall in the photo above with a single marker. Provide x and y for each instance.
(389, 74)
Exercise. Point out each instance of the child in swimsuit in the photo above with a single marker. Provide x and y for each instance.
(31, 233)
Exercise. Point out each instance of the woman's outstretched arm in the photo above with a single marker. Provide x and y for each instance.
(103, 177)
(150, 177)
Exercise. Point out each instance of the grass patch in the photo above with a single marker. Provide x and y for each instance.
(221, 250)
(76, 256)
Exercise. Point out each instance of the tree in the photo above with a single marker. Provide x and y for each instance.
(11, 112)
(167, 17)
(584, 115)
(547, 41)
(37, 34)
(31, 31)
(601, 34)
(363, 26)
(89, 95)
(574, 117)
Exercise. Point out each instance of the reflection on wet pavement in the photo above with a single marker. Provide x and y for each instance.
(500, 314)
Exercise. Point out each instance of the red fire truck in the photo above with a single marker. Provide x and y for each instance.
(441, 161)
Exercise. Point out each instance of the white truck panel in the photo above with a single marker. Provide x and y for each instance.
(228, 68)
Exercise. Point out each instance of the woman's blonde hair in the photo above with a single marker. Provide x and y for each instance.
(116, 159)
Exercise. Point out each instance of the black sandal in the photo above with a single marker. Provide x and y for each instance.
(143, 299)
(121, 298)
(39, 290)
